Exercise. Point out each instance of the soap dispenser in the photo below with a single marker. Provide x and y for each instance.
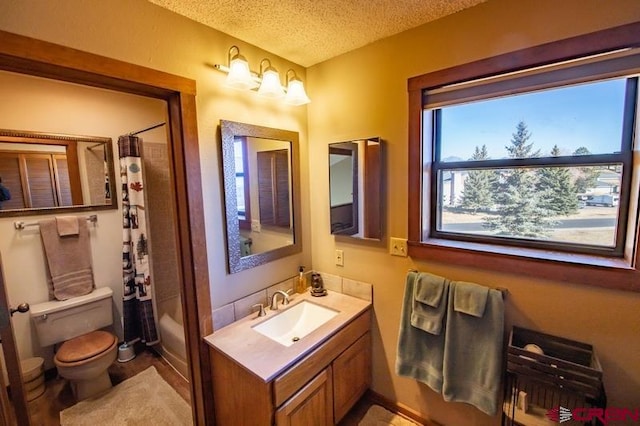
(301, 284)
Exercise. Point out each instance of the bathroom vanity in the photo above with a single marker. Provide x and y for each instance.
(316, 379)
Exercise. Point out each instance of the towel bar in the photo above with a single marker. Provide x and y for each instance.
(19, 225)
(502, 290)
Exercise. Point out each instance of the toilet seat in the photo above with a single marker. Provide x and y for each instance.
(86, 348)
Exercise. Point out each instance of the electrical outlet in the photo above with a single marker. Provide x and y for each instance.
(398, 247)
(255, 226)
(339, 258)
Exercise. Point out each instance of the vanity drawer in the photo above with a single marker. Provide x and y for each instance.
(293, 379)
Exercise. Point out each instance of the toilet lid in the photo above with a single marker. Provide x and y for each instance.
(85, 346)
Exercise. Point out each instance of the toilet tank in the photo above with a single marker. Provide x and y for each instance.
(60, 320)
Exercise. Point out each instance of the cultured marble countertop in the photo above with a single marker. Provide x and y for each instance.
(267, 358)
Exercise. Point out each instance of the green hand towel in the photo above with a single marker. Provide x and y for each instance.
(429, 302)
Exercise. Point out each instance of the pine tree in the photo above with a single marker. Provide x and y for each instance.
(519, 147)
(519, 213)
(588, 177)
(478, 186)
(558, 193)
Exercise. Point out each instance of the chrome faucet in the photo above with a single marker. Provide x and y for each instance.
(274, 299)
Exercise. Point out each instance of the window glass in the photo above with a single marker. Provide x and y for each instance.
(537, 169)
(585, 118)
(577, 205)
(240, 178)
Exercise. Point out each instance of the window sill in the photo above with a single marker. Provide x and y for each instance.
(553, 265)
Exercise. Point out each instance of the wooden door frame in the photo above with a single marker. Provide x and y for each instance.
(20, 414)
(43, 59)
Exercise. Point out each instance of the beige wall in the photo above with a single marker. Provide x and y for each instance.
(139, 32)
(363, 93)
(351, 105)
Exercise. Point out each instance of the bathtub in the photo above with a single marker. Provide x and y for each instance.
(172, 346)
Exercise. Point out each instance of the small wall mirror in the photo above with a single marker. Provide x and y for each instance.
(262, 194)
(43, 173)
(355, 187)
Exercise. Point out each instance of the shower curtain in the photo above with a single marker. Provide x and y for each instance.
(138, 318)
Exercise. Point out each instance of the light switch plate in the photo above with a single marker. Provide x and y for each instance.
(339, 258)
(398, 247)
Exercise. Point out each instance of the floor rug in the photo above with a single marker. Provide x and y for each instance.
(378, 416)
(144, 399)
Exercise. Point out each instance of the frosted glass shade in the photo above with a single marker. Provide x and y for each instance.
(271, 87)
(239, 76)
(296, 94)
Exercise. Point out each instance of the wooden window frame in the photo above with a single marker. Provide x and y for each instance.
(621, 154)
(620, 273)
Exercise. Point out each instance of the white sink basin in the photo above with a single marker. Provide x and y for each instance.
(295, 322)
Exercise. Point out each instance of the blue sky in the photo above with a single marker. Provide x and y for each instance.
(588, 115)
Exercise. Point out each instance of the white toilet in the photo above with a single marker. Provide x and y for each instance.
(87, 351)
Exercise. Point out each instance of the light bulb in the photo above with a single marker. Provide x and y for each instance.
(296, 94)
(271, 87)
(239, 76)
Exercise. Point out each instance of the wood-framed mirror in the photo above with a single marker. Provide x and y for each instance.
(356, 188)
(43, 173)
(261, 176)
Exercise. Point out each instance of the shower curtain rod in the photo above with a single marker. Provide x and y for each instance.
(95, 146)
(155, 126)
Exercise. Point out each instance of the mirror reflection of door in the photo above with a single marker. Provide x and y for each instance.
(343, 181)
(355, 183)
(53, 171)
(263, 194)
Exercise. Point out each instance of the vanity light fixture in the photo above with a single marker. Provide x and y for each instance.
(296, 95)
(239, 75)
(270, 86)
(267, 82)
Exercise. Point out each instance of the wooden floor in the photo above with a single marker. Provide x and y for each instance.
(45, 410)
(356, 414)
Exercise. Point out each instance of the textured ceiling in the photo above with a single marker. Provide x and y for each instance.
(307, 32)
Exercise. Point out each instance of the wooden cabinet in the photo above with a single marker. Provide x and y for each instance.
(318, 389)
(311, 406)
(351, 376)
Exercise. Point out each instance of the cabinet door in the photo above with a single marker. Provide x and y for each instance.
(351, 376)
(311, 406)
